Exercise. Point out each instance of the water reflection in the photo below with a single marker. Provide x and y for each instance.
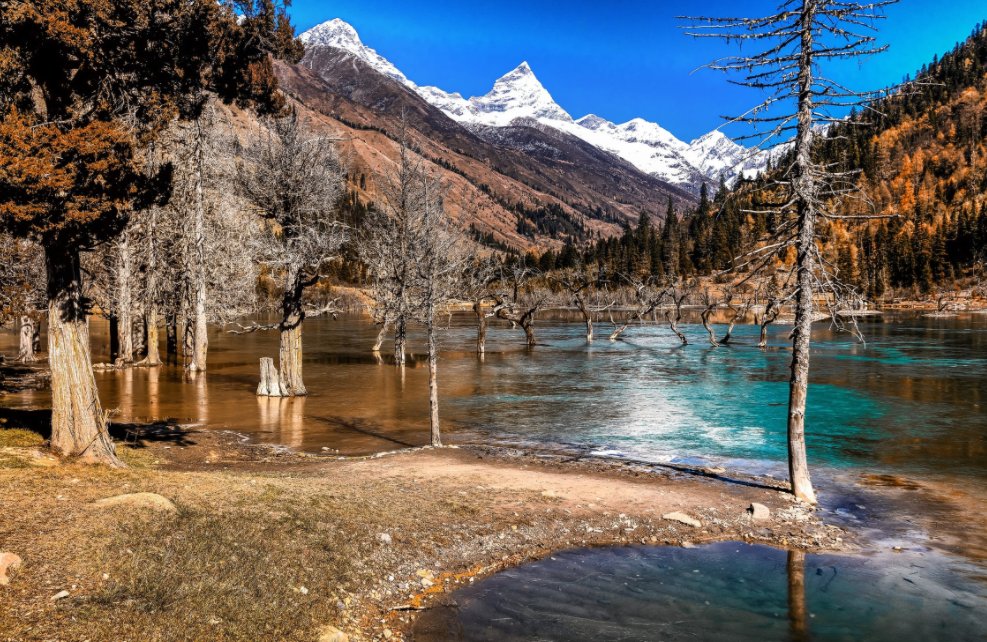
(726, 591)
(910, 401)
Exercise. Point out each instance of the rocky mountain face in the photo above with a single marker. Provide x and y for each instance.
(518, 98)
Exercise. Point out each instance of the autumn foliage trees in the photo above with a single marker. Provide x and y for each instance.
(85, 86)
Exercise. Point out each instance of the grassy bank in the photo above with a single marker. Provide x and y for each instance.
(268, 545)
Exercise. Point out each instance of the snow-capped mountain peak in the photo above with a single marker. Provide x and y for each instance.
(517, 94)
(340, 34)
(518, 97)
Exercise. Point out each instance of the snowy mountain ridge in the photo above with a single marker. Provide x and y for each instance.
(519, 96)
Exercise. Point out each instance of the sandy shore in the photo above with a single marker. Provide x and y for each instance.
(267, 544)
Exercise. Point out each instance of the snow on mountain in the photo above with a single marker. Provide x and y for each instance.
(341, 35)
(517, 94)
(519, 97)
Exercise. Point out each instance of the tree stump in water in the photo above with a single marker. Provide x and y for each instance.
(270, 382)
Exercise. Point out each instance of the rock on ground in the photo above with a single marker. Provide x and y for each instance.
(152, 501)
(332, 634)
(682, 518)
(759, 511)
(8, 561)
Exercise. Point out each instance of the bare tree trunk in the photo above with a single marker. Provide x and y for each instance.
(153, 358)
(433, 386)
(709, 329)
(400, 340)
(25, 353)
(114, 324)
(171, 335)
(270, 381)
(673, 323)
(124, 303)
(78, 425)
(290, 380)
(587, 318)
(770, 314)
(529, 332)
(805, 198)
(200, 341)
(384, 327)
(798, 623)
(733, 322)
(290, 360)
(481, 327)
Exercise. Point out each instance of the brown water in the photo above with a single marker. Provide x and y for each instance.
(909, 402)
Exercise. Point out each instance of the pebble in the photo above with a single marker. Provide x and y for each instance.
(59, 596)
(385, 538)
(682, 518)
(332, 634)
(8, 561)
(759, 511)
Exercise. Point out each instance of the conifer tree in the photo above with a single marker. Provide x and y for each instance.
(85, 85)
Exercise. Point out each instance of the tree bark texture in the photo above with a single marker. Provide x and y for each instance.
(481, 327)
(25, 352)
(400, 340)
(805, 203)
(78, 424)
(200, 341)
(124, 303)
(433, 386)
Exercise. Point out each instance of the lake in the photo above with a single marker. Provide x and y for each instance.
(897, 437)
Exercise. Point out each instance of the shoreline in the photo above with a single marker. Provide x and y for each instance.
(422, 522)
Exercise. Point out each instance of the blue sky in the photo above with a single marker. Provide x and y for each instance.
(620, 60)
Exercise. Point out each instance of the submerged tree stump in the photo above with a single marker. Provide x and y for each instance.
(270, 382)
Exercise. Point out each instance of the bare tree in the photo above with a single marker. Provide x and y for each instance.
(792, 44)
(22, 292)
(678, 294)
(710, 303)
(648, 295)
(580, 284)
(738, 309)
(294, 180)
(478, 277)
(438, 261)
(386, 245)
(515, 301)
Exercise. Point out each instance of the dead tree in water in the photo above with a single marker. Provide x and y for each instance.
(580, 283)
(386, 245)
(22, 289)
(293, 180)
(648, 296)
(678, 294)
(771, 311)
(478, 277)
(710, 303)
(514, 302)
(792, 44)
(738, 312)
(439, 258)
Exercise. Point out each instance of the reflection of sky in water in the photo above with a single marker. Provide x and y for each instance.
(911, 400)
(908, 398)
(727, 592)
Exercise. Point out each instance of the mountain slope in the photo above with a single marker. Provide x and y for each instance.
(520, 96)
(524, 168)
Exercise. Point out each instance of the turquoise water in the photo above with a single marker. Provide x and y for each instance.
(909, 401)
(720, 592)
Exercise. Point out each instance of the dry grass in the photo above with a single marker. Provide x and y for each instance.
(20, 438)
(233, 575)
(232, 562)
